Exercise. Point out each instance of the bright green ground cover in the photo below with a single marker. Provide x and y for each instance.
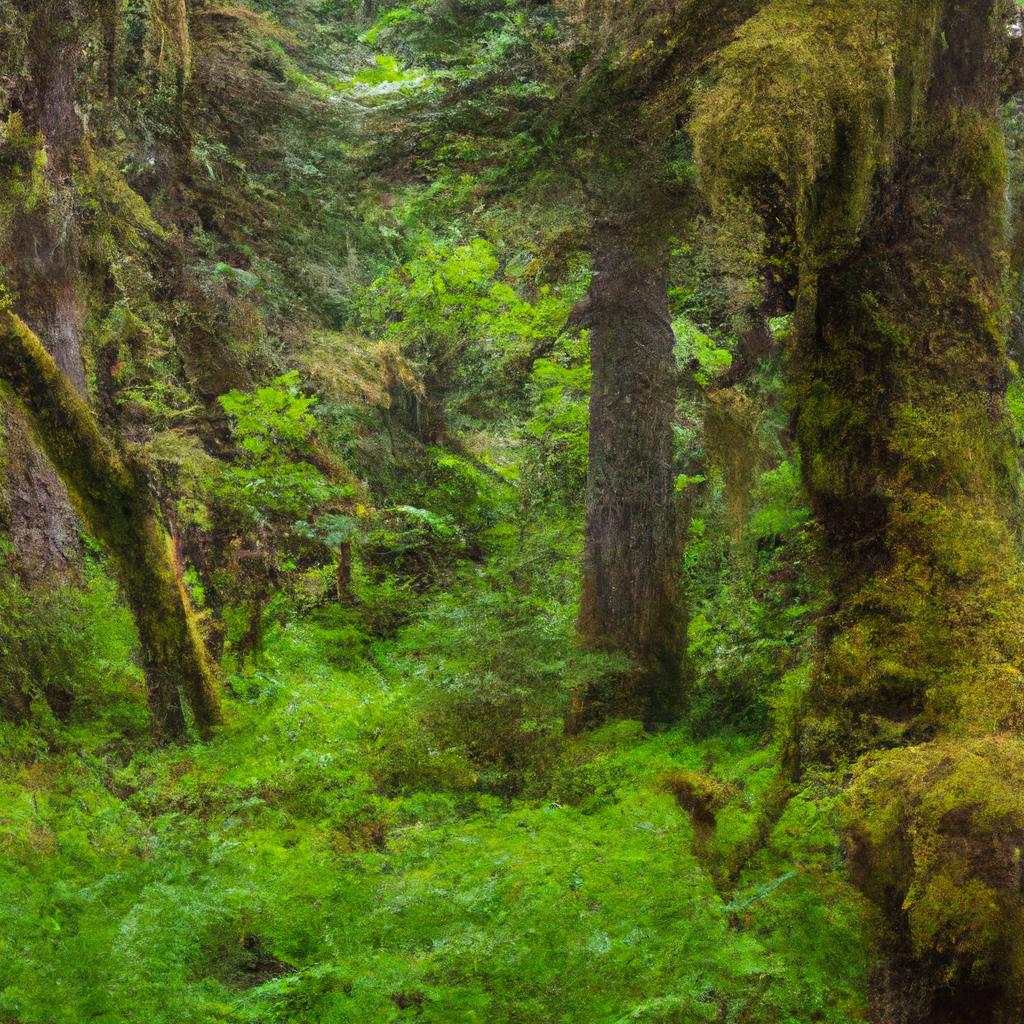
(284, 872)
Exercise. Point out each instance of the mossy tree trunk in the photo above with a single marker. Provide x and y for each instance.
(907, 443)
(910, 461)
(891, 188)
(37, 514)
(46, 240)
(631, 589)
(46, 280)
(113, 496)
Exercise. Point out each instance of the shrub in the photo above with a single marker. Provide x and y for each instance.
(67, 651)
(489, 681)
(413, 545)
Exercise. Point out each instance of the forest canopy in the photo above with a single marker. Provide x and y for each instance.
(511, 512)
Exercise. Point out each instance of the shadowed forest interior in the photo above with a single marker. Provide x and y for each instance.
(511, 512)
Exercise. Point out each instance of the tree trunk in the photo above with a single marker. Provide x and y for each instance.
(46, 280)
(343, 574)
(117, 505)
(909, 459)
(38, 516)
(252, 643)
(631, 594)
(48, 264)
(903, 423)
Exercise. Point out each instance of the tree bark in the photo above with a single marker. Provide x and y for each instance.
(903, 422)
(46, 280)
(624, 109)
(48, 263)
(343, 573)
(113, 496)
(909, 458)
(631, 594)
(38, 516)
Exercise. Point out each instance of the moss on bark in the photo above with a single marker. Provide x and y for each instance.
(893, 180)
(112, 494)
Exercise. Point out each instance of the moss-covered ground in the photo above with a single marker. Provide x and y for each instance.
(285, 872)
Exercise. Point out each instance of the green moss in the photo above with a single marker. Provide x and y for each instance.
(24, 187)
(936, 834)
(732, 440)
(116, 219)
(112, 493)
(877, 137)
(801, 112)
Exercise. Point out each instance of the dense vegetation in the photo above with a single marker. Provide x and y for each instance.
(511, 511)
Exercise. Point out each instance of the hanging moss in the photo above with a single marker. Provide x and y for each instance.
(801, 116)
(732, 421)
(171, 41)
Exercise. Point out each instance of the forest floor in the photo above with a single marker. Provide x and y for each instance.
(285, 872)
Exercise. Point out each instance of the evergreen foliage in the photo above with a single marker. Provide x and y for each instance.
(549, 486)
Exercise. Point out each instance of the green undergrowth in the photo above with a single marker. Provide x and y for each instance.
(297, 869)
